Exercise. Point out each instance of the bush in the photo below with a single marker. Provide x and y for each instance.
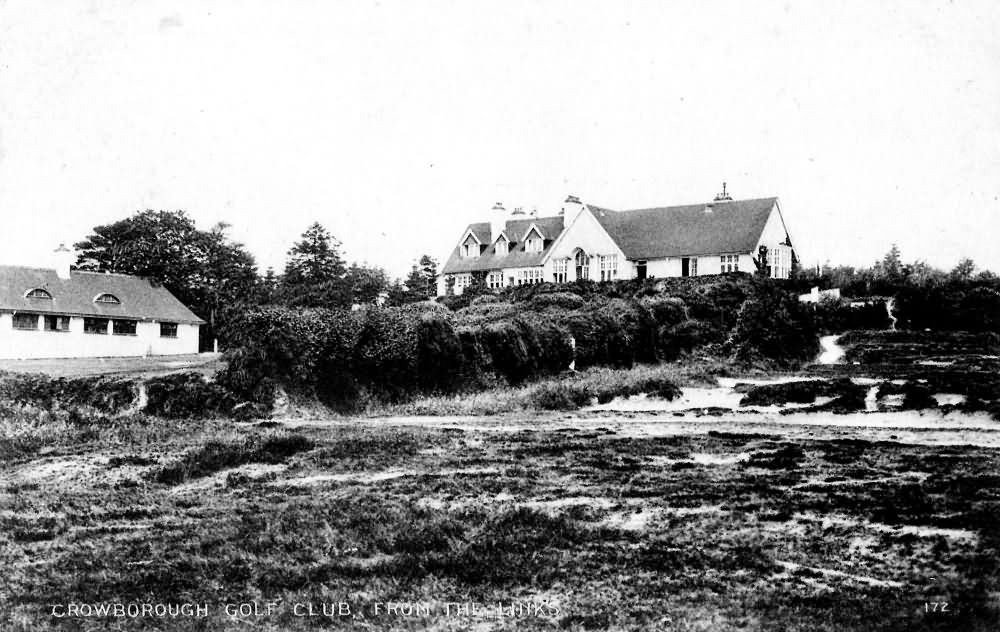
(215, 456)
(774, 326)
(107, 395)
(835, 316)
(560, 396)
(561, 300)
(186, 396)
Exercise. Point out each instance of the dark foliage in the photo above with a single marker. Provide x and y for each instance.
(108, 395)
(187, 395)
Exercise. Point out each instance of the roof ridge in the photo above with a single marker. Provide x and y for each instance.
(118, 274)
(714, 203)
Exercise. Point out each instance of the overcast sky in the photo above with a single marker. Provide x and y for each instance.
(396, 123)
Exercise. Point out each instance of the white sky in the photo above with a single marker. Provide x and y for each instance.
(397, 123)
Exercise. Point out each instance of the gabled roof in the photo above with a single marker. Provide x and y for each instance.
(550, 227)
(675, 231)
(140, 298)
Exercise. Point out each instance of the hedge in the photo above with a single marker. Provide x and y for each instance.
(347, 358)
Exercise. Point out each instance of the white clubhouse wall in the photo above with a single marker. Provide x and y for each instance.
(16, 344)
(587, 233)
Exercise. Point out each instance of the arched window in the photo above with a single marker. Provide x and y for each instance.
(107, 299)
(582, 265)
(38, 293)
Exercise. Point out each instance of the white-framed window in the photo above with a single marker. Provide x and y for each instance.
(582, 261)
(494, 279)
(500, 248)
(533, 243)
(470, 247)
(560, 270)
(108, 299)
(779, 258)
(168, 330)
(38, 293)
(529, 276)
(693, 267)
(729, 263)
(609, 267)
(463, 281)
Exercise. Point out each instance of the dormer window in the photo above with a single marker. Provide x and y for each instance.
(107, 299)
(533, 242)
(38, 293)
(470, 247)
(500, 248)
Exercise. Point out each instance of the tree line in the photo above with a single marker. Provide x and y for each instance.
(214, 275)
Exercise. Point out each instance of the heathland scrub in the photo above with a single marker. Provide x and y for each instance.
(596, 528)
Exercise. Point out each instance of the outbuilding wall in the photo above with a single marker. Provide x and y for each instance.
(25, 344)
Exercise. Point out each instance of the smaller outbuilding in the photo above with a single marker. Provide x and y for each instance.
(63, 313)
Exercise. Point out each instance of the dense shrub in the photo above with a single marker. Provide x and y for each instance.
(185, 396)
(561, 300)
(836, 316)
(774, 326)
(954, 306)
(109, 395)
(302, 349)
(560, 396)
(514, 335)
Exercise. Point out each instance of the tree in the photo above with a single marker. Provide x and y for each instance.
(429, 267)
(315, 272)
(314, 259)
(891, 266)
(964, 270)
(203, 269)
(366, 284)
(421, 282)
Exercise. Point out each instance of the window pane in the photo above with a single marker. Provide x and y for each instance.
(95, 325)
(25, 321)
(124, 327)
(57, 323)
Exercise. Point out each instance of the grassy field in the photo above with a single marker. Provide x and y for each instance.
(708, 532)
(206, 363)
(508, 517)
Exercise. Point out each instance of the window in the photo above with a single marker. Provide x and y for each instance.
(168, 330)
(57, 323)
(529, 276)
(500, 248)
(730, 263)
(582, 265)
(470, 247)
(533, 242)
(123, 327)
(694, 266)
(609, 267)
(108, 299)
(560, 270)
(494, 279)
(779, 259)
(38, 293)
(95, 325)
(462, 281)
(26, 321)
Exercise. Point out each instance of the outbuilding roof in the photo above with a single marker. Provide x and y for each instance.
(140, 299)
